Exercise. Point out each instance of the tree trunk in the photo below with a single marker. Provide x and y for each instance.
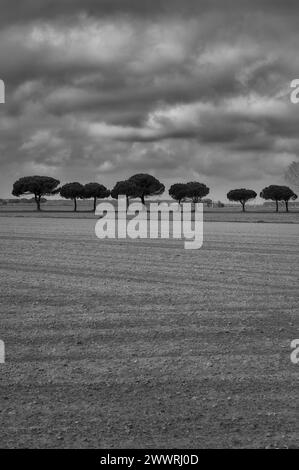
(276, 206)
(142, 199)
(127, 198)
(37, 200)
(75, 205)
(94, 204)
(243, 206)
(287, 206)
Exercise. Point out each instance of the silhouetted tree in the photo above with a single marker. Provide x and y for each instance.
(72, 191)
(241, 195)
(37, 185)
(279, 193)
(178, 192)
(95, 190)
(196, 191)
(192, 190)
(124, 188)
(146, 185)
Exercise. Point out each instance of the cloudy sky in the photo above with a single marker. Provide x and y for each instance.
(182, 89)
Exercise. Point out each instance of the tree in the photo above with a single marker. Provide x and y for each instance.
(196, 191)
(292, 174)
(124, 188)
(37, 185)
(95, 190)
(288, 195)
(178, 191)
(241, 195)
(146, 185)
(279, 193)
(72, 191)
(192, 190)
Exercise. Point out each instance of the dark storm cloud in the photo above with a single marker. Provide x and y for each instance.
(193, 89)
(29, 10)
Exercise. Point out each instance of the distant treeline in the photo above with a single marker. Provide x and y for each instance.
(23, 200)
(141, 186)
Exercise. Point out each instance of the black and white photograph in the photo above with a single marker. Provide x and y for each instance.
(149, 228)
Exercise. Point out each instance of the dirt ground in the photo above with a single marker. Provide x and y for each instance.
(144, 344)
(64, 209)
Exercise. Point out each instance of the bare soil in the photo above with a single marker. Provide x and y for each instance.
(144, 344)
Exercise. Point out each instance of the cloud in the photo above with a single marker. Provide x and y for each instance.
(179, 89)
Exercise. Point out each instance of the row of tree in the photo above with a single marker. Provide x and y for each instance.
(138, 186)
(270, 193)
(141, 186)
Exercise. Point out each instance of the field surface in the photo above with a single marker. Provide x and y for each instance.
(144, 344)
(64, 209)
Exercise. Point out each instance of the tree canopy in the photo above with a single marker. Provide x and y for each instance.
(279, 193)
(124, 188)
(241, 195)
(146, 185)
(178, 192)
(196, 191)
(95, 190)
(73, 191)
(37, 185)
(193, 191)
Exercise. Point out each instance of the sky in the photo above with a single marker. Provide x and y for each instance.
(186, 90)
